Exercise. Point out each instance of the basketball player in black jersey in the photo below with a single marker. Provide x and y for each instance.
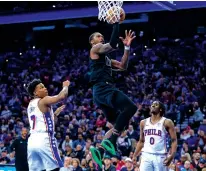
(117, 107)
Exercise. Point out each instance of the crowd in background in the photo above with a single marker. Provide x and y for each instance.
(172, 72)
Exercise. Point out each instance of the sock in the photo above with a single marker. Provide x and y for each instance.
(113, 138)
(101, 150)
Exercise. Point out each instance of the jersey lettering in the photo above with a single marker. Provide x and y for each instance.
(33, 118)
(152, 132)
(40, 122)
(152, 140)
(155, 137)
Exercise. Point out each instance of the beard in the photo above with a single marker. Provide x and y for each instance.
(154, 112)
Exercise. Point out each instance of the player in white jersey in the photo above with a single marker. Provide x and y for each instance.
(152, 141)
(42, 146)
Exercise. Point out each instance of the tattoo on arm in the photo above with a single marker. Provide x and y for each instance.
(64, 91)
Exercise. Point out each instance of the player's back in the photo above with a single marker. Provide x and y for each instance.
(40, 122)
(155, 137)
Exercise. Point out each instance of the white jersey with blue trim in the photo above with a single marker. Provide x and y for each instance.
(155, 137)
(40, 122)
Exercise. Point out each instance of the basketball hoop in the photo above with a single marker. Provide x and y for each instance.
(109, 11)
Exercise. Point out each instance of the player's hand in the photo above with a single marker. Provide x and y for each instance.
(59, 110)
(66, 83)
(129, 36)
(168, 160)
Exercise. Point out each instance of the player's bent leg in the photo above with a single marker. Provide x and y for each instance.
(128, 109)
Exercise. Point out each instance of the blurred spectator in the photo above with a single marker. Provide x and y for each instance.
(128, 165)
(78, 152)
(108, 166)
(67, 141)
(76, 164)
(131, 133)
(197, 116)
(6, 113)
(117, 162)
(196, 158)
(67, 164)
(192, 141)
(101, 121)
(203, 126)
(91, 166)
(124, 143)
(80, 141)
(186, 133)
(201, 164)
(4, 158)
(84, 165)
(186, 166)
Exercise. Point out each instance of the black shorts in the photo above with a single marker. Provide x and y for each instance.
(105, 95)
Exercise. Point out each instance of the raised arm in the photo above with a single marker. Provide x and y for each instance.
(108, 47)
(49, 100)
(140, 143)
(129, 36)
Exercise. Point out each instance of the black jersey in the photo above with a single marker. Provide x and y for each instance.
(101, 69)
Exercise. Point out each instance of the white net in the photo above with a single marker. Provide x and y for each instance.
(109, 11)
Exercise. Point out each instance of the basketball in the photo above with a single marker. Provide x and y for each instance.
(111, 17)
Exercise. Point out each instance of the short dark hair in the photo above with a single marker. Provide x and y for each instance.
(32, 85)
(91, 37)
(162, 108)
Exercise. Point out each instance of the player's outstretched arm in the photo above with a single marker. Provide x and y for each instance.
(108, 47)
(49, 100)
(169, 125)
(129, 37)
(140, 143)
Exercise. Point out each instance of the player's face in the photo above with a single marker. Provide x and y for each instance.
(155, 108)
(24, 132)
(41, 91)
(98, 38)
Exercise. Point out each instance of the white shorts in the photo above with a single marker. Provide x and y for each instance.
(43, 152)
(152, 162)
